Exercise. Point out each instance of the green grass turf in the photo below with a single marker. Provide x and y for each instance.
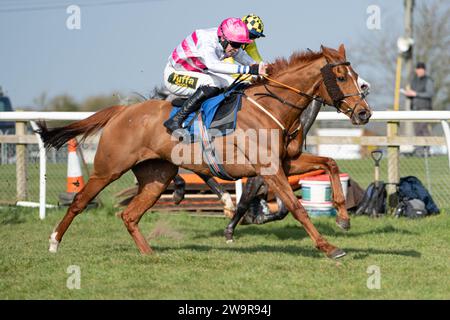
(192, 260)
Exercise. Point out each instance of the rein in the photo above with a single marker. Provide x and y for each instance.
(290, 88)
(270, 94)
(330, 81)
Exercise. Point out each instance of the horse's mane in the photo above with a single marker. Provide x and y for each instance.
(281, 64)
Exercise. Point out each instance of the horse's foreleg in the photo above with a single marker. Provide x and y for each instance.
(223, 195)
(308, 162)
(251, 188)
(180, 189)
(280, 185)
(154, 176)
(94, 185)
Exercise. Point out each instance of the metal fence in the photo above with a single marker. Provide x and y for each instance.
(56, 175)
(428, 161)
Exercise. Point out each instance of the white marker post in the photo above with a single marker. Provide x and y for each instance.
(42, 172)
(238, 185)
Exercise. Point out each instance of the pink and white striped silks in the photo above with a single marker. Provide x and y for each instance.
(183, 55)
(202, 52)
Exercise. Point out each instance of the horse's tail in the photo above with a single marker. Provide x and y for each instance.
(57, 137)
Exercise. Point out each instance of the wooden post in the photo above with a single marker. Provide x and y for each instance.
(408, 33)
(393, 163)
(21, 164)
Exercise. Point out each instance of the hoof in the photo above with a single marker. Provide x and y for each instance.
(228, 236)
(53, 248)
(336, 254)
(343, 224)
(178, 197)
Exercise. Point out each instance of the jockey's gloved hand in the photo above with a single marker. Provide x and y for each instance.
(258, 69)
(254, 69)
(263, 68)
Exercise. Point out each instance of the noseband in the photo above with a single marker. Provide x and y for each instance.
(335, 93)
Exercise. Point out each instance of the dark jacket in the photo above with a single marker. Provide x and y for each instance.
(424, 87)
(411, 188)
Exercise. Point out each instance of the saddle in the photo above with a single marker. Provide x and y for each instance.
(217, 115)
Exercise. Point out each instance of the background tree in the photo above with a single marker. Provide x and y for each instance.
(432, 34)
(377, 54)
(63, 102)
(97, 102)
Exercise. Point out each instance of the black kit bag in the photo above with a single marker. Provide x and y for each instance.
(414, 199)
(411, 208)
(411, 188)
(374, 200)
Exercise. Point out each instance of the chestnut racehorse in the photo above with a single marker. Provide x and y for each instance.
(134, 138)
(304, 163)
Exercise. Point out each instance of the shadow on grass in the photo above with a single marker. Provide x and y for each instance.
(356, 253)
(337, 232)
(283, 233)
(11, 218)
(298, 232)
(364, 253)
(292, 250)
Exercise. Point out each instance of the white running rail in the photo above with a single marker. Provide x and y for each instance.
(384, 116)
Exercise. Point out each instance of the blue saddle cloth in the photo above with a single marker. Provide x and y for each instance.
(218, 113)
(217, 117)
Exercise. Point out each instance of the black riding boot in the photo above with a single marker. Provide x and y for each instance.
(189, 106)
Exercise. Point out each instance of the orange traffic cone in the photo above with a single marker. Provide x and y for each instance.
(75, 180)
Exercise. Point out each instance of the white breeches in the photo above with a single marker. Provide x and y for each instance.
(185, 83)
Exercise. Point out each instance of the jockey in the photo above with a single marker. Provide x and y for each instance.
(255, 28)
(196, 68)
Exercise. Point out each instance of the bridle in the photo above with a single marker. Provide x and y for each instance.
(330, 81)
(334, 91)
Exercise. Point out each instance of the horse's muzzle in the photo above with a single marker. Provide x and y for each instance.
(363, 116)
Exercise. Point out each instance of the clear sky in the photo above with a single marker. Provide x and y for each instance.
(124, 45)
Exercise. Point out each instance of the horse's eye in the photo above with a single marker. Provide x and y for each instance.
(341, 79)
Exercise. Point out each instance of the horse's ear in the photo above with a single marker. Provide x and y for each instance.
(341, 51)
(326, 52)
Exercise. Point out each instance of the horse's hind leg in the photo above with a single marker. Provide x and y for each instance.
(154, 176)
(94, 185)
